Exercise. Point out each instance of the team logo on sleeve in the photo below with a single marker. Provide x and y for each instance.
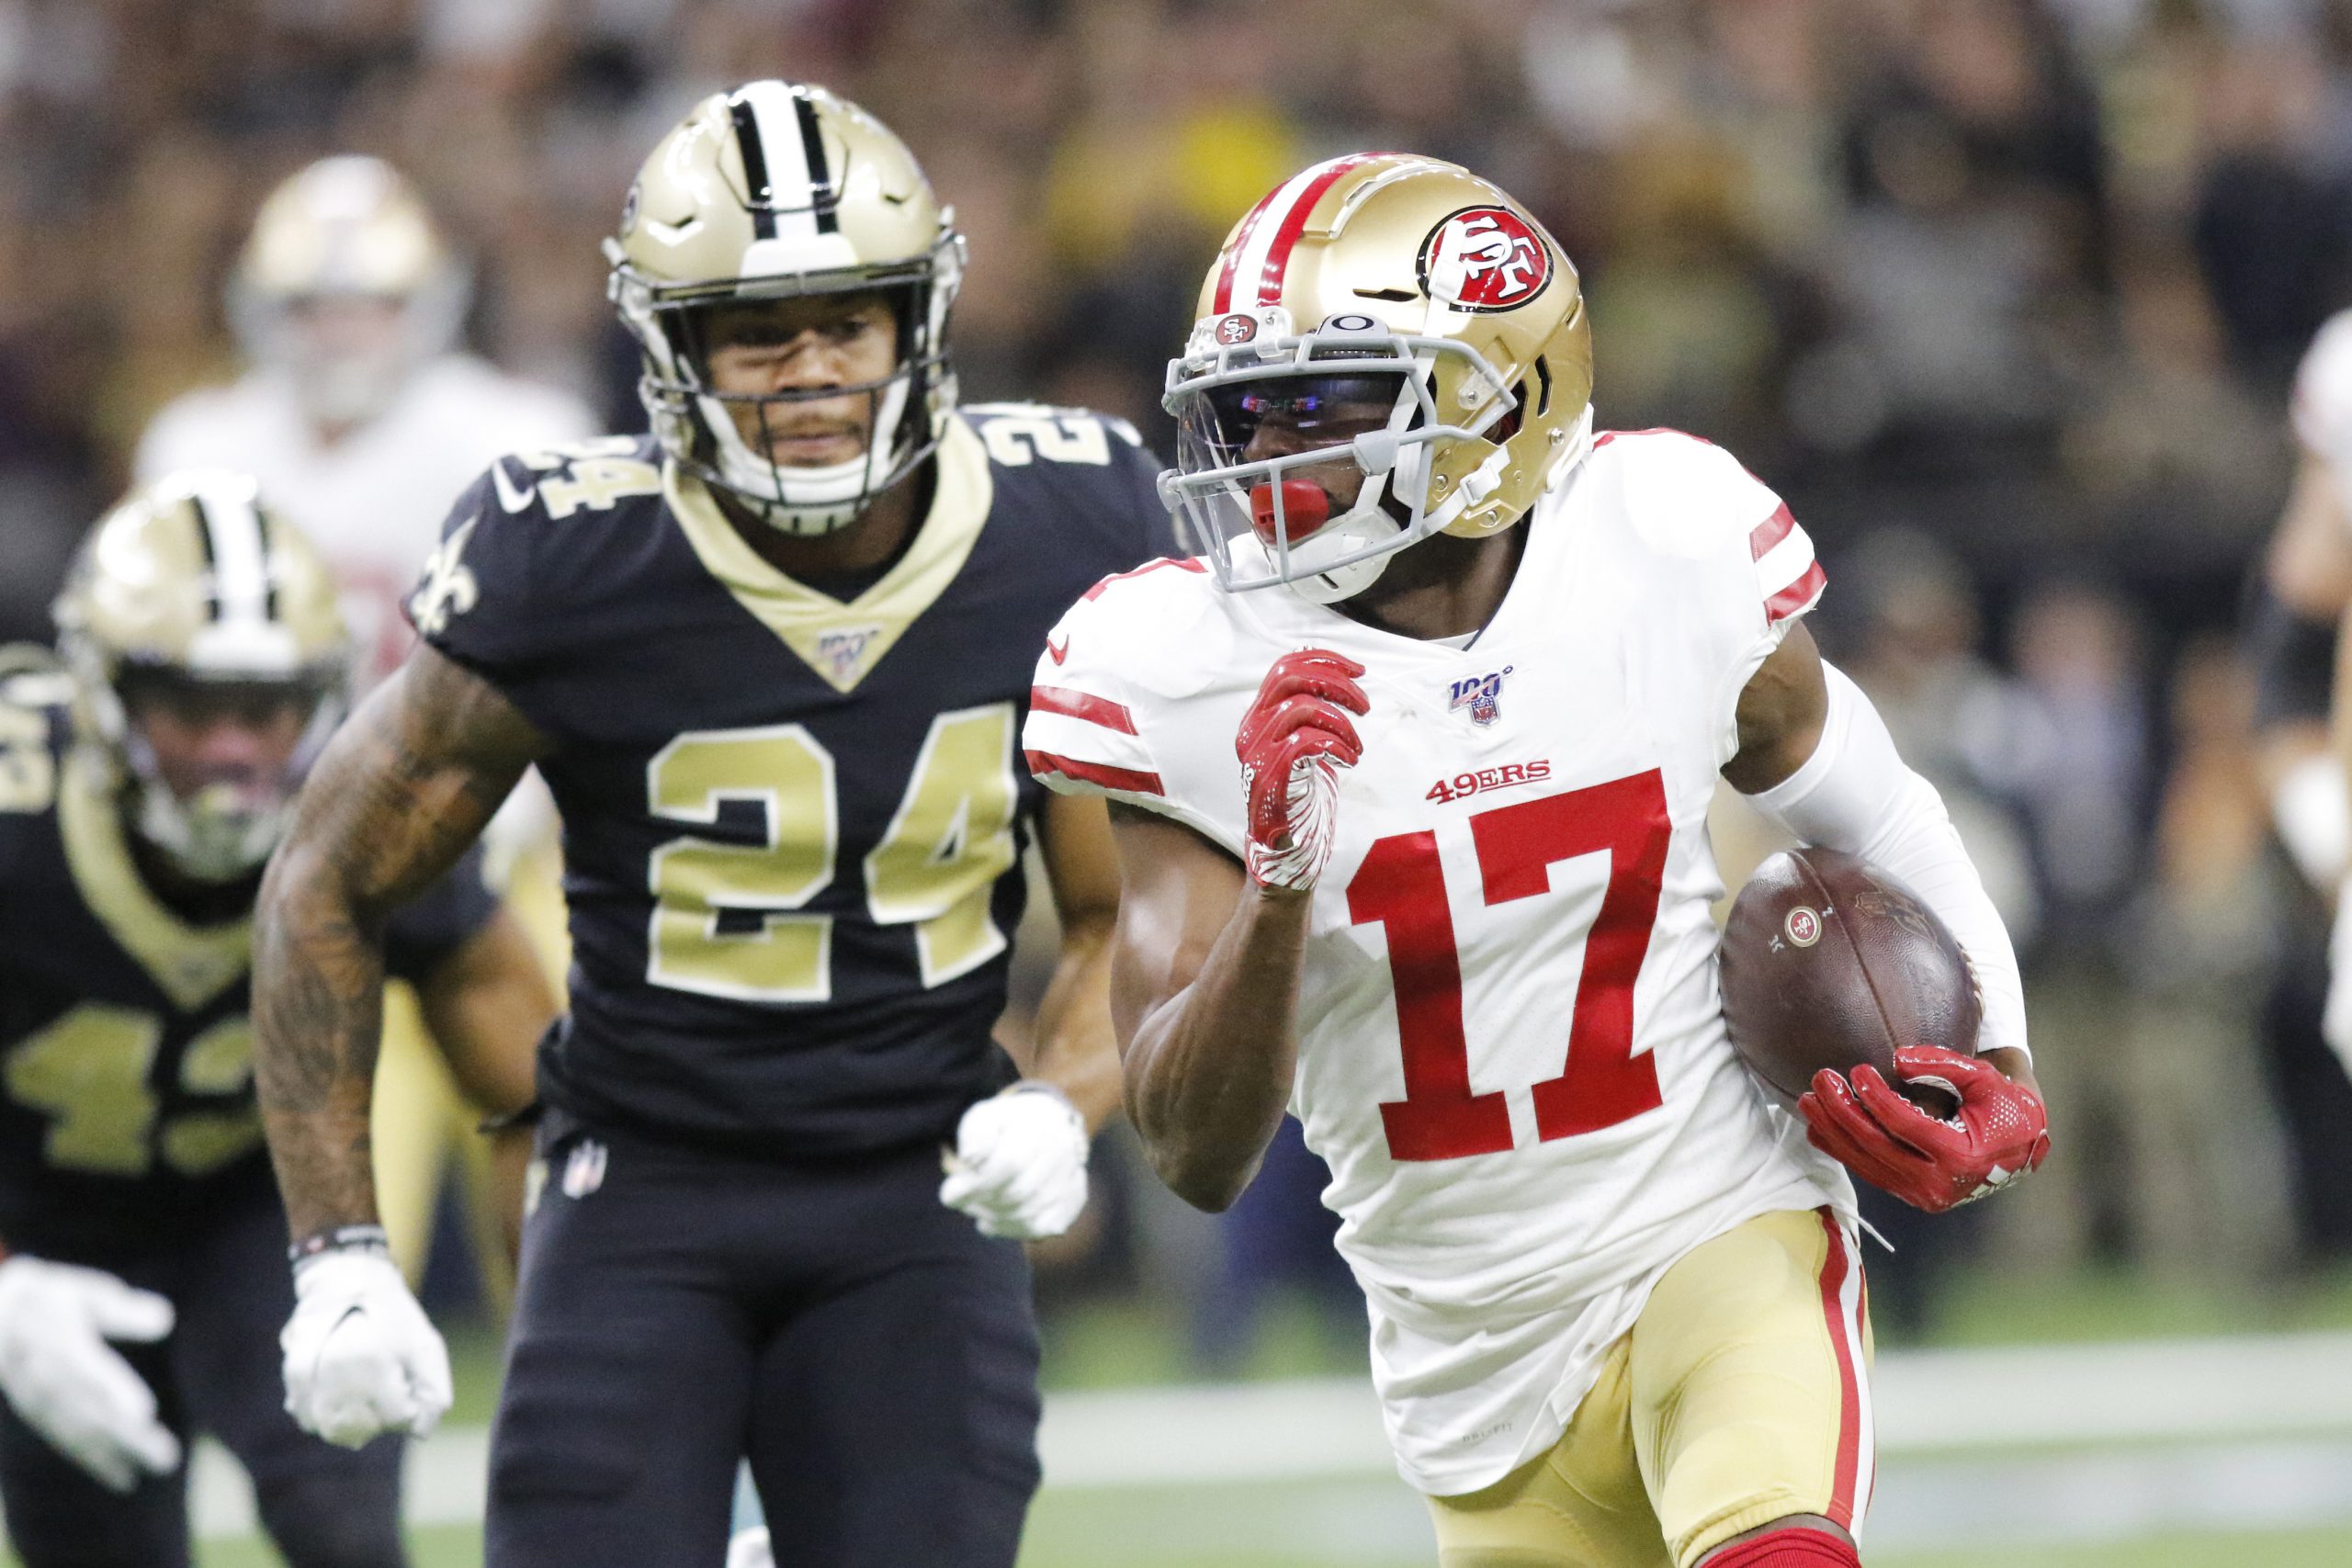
(1479, 694)
(448, 588)
(1483, 258)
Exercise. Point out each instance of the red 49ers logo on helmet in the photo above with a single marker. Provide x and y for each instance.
(1485, 258)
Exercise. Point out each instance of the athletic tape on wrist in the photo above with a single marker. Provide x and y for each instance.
(340, 1238)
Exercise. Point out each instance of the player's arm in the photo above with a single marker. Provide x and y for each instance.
(1205, 977)
(1816, 758)
(400, 792)
(486, 1006)
(1019, 1164)
(1205, 996)
(1077, 1051)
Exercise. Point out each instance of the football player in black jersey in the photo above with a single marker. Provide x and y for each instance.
(772, 659)
(141, 783)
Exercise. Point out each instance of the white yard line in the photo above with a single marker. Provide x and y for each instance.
(2243, 1432)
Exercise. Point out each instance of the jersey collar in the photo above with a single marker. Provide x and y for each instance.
(843, 642)
(190, 964)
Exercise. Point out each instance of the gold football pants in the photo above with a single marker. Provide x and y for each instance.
(1740, 1395)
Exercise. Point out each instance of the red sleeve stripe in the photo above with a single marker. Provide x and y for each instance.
(1797, 594)
(1128, 780)
(1187, 563)
(1073, 703)
(1771, 532)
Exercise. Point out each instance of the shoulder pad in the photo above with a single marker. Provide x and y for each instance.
(576, 475)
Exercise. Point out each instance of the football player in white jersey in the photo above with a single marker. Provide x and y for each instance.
(1410, 771)
(362, 417)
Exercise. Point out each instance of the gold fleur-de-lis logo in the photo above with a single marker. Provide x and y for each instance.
(448, 588)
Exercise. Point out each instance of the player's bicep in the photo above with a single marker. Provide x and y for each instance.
(1781, 710)
(1177, 892)
(408, 782)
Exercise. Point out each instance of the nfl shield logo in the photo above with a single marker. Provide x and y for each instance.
(1479, 694)
(842, 650)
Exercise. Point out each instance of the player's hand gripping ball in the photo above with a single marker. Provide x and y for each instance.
(361, 1358)
(1293, 741)
(1999, 1133)
(67, 1383)
(1019, 1163)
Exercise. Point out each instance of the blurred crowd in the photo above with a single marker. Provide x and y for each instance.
(2005, 296)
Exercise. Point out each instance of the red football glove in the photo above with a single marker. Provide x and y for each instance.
(1999, 1133)
(1295, 739)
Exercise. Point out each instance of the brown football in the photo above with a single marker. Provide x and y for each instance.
(1828, 962)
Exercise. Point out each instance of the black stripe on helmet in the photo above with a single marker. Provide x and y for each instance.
(760, 192)
(211, 557)
(823, 197)
(267, 523)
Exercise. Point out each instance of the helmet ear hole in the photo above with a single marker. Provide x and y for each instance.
(1543, 386)
(1508, 426)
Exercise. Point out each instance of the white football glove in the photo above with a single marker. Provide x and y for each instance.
(750, 1548)
(68, 1384)
(2335, 1023)
(1019, 1164)
(360, 1356)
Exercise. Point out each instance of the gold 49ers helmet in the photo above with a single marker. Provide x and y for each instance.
(773, 191)
(191, 596)
(1378, 279)
(345, 287)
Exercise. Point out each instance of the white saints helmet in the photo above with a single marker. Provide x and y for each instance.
(346, 287)
(770, 192)
(1383, 281)
(190, 592)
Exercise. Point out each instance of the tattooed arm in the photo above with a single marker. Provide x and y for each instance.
(402, 790)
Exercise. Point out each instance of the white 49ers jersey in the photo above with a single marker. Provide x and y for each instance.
(372, 502)
(1511, 1050)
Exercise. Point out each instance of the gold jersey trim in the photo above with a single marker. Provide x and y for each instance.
(191, 964)
(843, 642)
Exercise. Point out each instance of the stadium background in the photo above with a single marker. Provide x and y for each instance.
(2005, 297)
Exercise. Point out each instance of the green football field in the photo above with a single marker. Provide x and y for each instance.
(1370, 1520)
(1100, 1532)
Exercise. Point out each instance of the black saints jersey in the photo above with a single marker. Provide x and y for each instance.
(793, 826)
(126, 1056)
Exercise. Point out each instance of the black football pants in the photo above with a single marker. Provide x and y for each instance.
(218, 1373)
(873, 1355)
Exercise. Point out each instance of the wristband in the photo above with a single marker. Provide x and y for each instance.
(340, 1238)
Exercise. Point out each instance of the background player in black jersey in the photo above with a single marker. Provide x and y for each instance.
(771, 661)
(141, 786)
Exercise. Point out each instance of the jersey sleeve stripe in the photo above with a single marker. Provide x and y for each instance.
(1184, 563)
(1771, 532)
(1798, 595)
(1128, 780)
(1073, 703)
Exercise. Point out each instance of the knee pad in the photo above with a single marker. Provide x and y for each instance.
(1796, 1547)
